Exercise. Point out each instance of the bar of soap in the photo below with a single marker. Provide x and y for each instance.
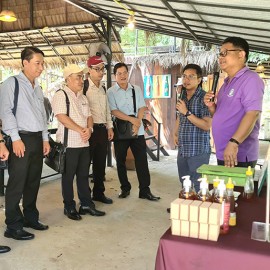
(184, 228)
(194, 230)
(184, 209)
(175, 208)
(194, 211)
(176, 227)
(214, 214)
(203, 231)
(204, 212)
(213, 232)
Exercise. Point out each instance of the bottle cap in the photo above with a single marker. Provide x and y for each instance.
(221, 188)
(249, 171)
(203, 185)
(216, 182)
(187, 182)
(230, 184)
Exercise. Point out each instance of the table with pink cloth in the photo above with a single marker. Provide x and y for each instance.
(234, 251)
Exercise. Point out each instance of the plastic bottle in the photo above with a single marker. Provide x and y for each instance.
(230, 187)
(249, 185)
(187, 192)
(215, 185)
(222, 198)
(203, 194)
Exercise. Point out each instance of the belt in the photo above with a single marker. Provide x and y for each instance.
(30, 133)
(99, 125)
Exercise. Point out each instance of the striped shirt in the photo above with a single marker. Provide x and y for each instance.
(99, 105)
(193, 141)
(79, 112)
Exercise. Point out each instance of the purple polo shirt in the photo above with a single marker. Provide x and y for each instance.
(236, 97)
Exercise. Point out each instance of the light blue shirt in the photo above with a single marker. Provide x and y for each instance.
(30, 114)
(122, 100)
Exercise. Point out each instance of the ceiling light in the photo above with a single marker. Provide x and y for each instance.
(8, 16)
(260, 68)
(131, 22)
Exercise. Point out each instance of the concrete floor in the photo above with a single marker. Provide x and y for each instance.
(126, 238)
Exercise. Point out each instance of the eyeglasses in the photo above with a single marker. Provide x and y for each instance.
(189, 77)
(225, 52)
(121, 73)
(99, 69)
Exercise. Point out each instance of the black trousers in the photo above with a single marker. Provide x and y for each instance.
(77, 164)
(98, 153)
(138, 148)
(252, 164)
(23, 182)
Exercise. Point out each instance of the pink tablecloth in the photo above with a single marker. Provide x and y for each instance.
(235, 251)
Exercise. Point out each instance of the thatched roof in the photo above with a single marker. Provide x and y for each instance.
(61, 30)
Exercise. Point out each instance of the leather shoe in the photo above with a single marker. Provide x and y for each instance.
(36, 226)
(103, 199)
(149, 196)
(72, 214)
(4, 249)
(123, 194)
(18, 234)
(91, 211)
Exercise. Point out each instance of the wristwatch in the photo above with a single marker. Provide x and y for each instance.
(188, 113)
(2, 141)
(92, 130)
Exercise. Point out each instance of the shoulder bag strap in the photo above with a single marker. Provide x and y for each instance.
(16, 95)
(66, 130)
(134, 99)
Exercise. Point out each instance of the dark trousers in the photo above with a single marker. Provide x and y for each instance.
(98, 153)
(23, 182)
(252, 164)
(138, 148)
(77, 164)
(2, 182)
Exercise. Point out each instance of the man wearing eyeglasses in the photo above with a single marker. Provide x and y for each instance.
(100, 110)
(191, 133)
(236, 110)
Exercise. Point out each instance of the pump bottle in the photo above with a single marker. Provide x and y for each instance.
(203, 194)
(187, 192)
(215, 185)
(221, 197)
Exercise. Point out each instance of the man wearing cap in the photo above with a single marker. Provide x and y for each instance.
(100, 110)
(80, 127)
(27, 127)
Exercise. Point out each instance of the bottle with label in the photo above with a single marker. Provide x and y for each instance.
(215, 185)
(249, 185)
(166, 87)
(187, 192)
(230, 187)
(222, 198)
(203, 194)
(148, 87)
(158, 87)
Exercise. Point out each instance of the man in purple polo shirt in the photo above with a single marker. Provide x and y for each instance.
(236, 111)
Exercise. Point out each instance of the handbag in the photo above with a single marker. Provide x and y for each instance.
(122, 128)
(7, 138)
(56, 159)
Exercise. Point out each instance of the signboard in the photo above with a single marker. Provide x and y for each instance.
(157, 86)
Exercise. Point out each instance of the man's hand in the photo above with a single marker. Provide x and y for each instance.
(207, 99)
(85, 134)
(110, 134)
(230, 154)
(175, 139)
(18, 148)
(135, 121)
(46, 148)
(181, 107)
(3, 152)
(135, 130)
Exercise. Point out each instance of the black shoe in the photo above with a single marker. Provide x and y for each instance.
(103, 199)
(36, 226)
(149, 196)
(72, 214)
(4, 249)
(91, 211)
(123, 194)
(169, 210)
(18, 234)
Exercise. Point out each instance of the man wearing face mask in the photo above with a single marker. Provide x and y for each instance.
(192, 127)
(236, 111)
